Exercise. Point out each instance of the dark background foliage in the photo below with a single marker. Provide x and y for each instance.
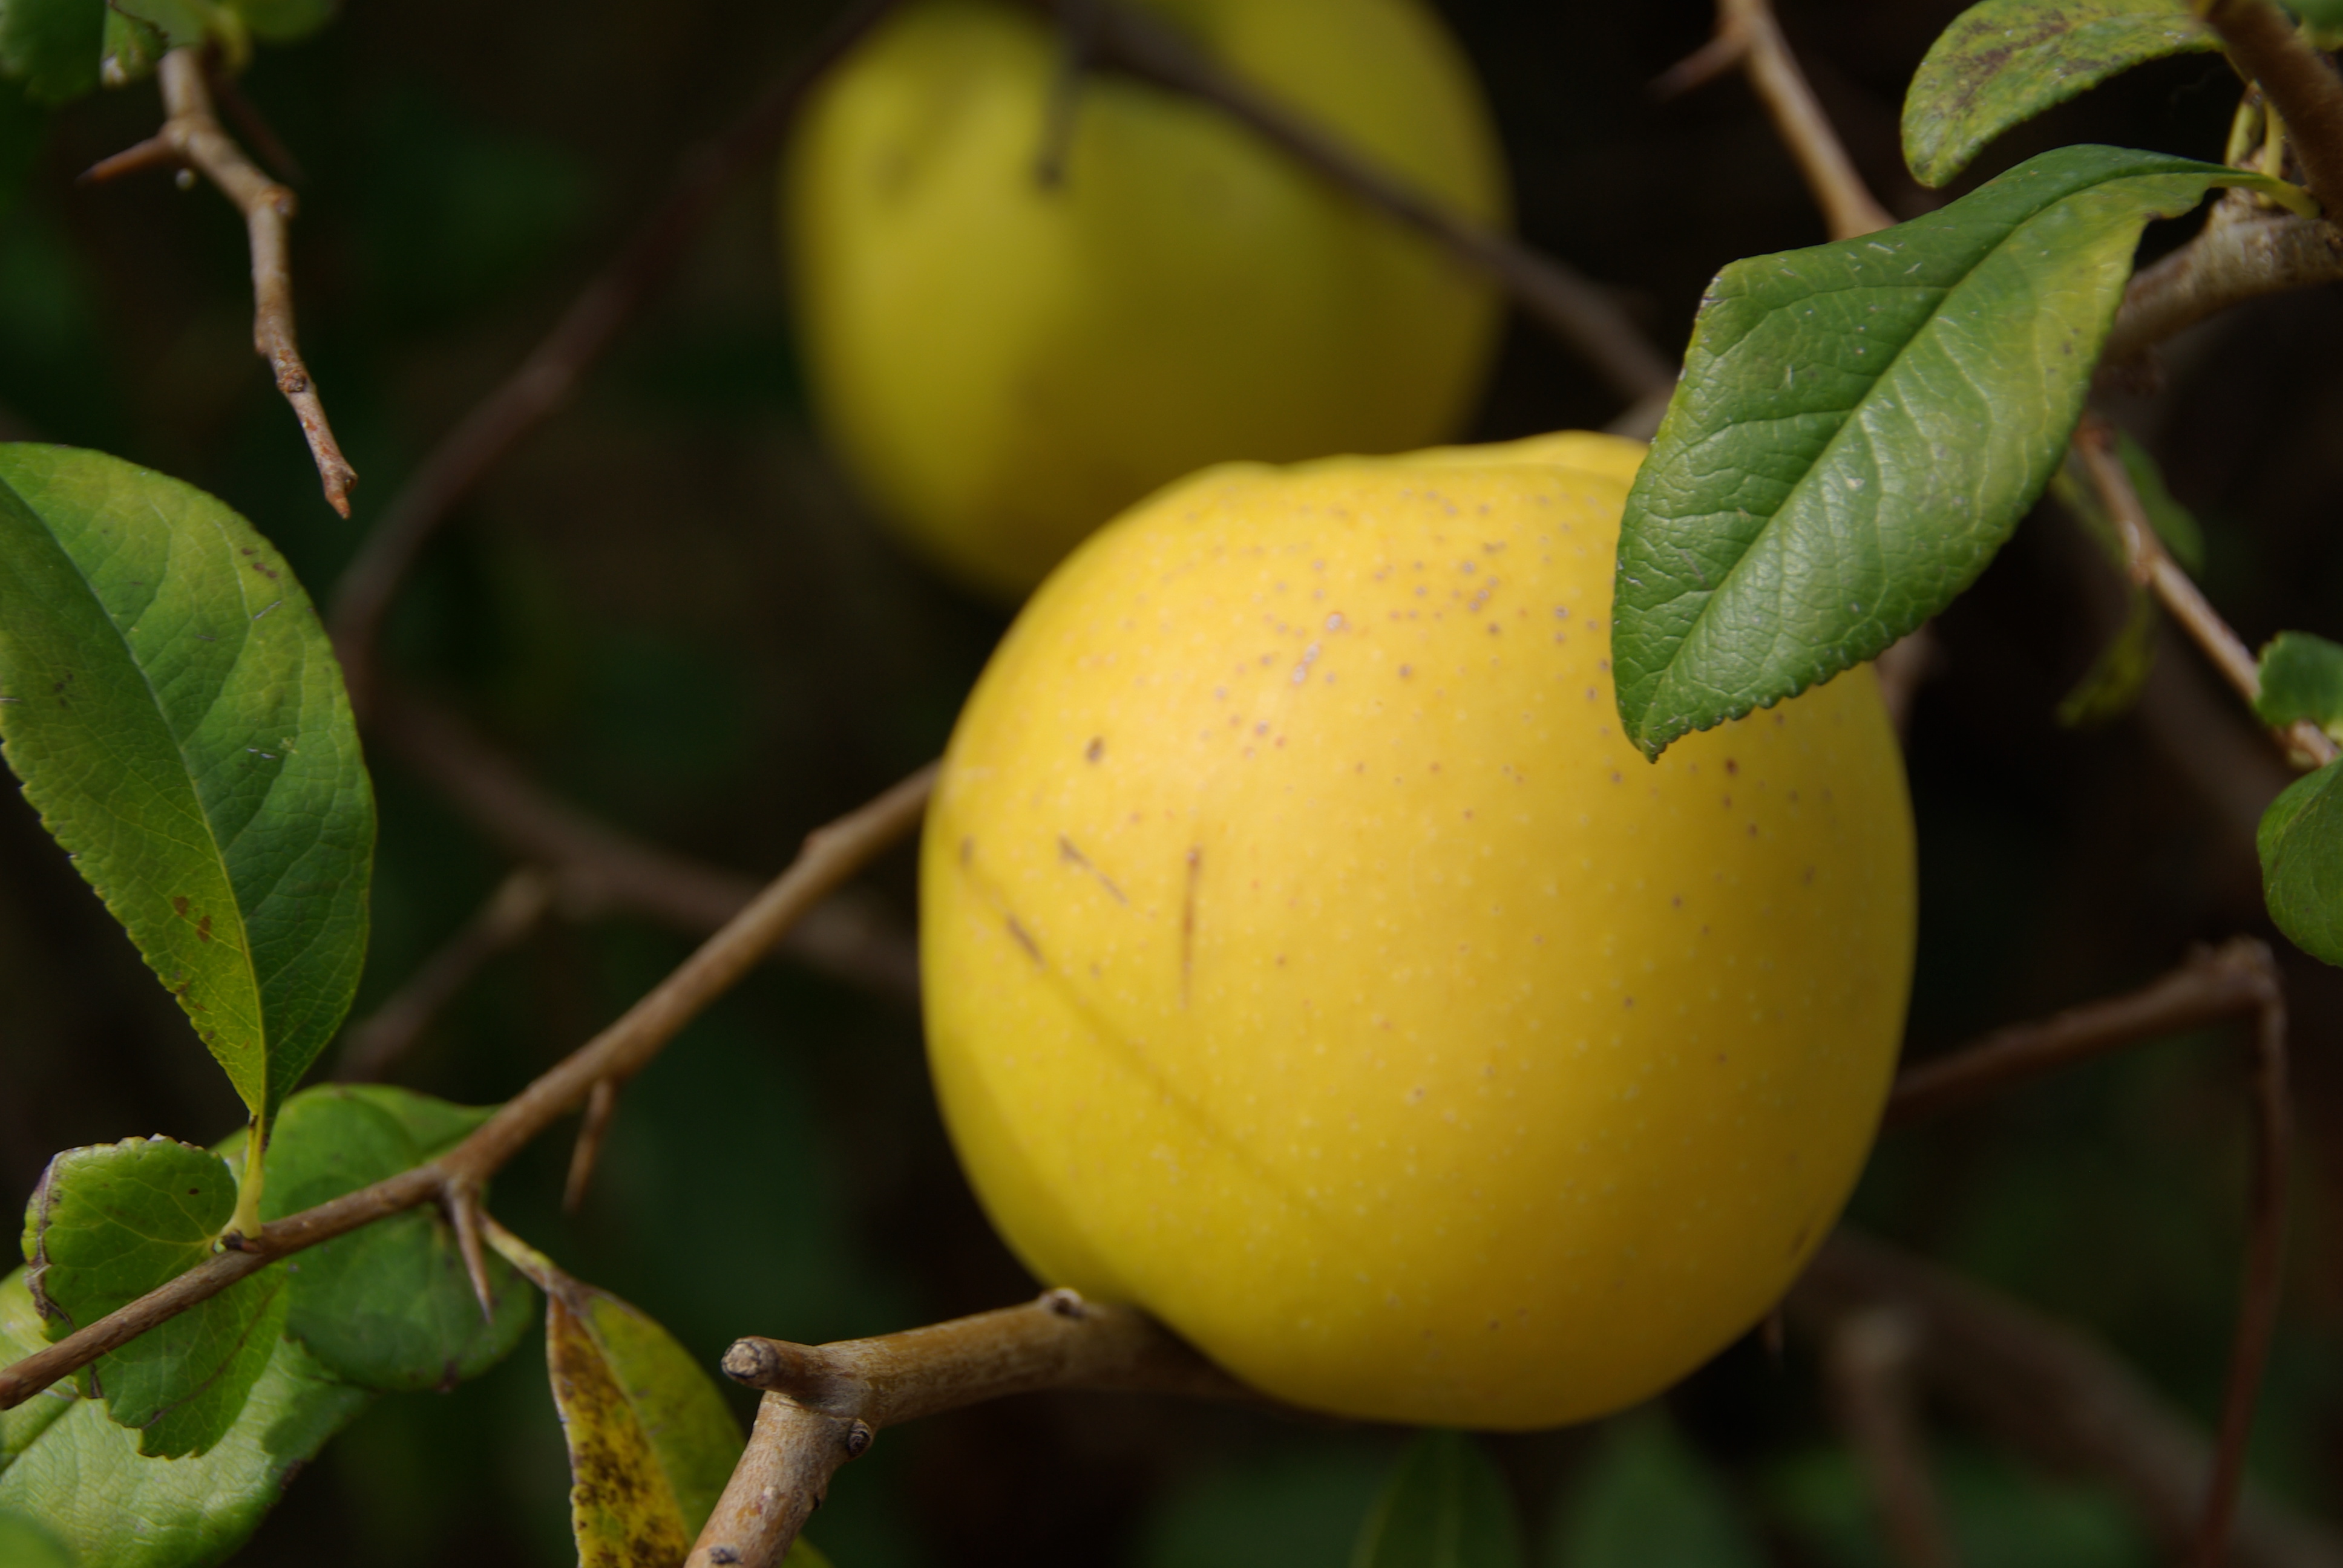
(668, 604)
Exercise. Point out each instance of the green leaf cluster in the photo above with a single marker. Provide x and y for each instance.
(78, 1475)
(244, 1388)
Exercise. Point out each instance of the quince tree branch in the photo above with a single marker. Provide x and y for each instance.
(2055, 1394)
(2239, 979)
(1748, 35)
(191, 138)
(823, 1405)
(544, 381)
(2152, 567)
(1867, 1363)
(2266, 47)
(831, 855)
(595, 867)
(1122, 37)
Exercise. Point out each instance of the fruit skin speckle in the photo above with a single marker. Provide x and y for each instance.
(1382, 1005)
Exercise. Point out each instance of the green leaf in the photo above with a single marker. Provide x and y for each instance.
(177, 23)
(84, 1481)
(2176, 526)
(109, 1223)
(388, 1307)
(2003, 62)
(285, 21)
(1444, 1506)
(2325, 18)
(2113, 684)
(2174, 523)
(1648, 1498)
(651, 1441)
(2301, 845)
(2302, 678)
(52, 46)
(25, 1542)
(133, 46)
(1860, 426)
(176, 714)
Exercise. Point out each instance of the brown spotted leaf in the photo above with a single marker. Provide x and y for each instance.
(651, 1441)
(2003, 62)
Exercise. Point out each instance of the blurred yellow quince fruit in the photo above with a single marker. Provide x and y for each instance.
(1310, 960)
(1004, 362)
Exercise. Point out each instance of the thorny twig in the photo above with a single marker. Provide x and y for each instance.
(2054, 1394)
(1747, 35)
(370, 1049)
(2297, 80)
(1868, 1360)
(831, 854)
(191, 137)
(2211, 985)
(544, 381)
(601, 1105)
(2152, 567)
(2238, 978)
(824, 1403)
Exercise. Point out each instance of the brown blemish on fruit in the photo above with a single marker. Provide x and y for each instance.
(1095, 749)
(1024, 939)
(1073, 856)
(1188, 921)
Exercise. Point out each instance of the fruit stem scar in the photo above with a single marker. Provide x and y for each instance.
(1188, 922)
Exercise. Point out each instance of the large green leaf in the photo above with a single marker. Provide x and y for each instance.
(388, 1307)
(52, 46)
(109, 1223)
(1861, 425)
(176, 713)
(2301, 845)
(2302, 678)
(2003, 62)
(1647, 1498)
(1444, 1506)
(651, 1441)
(84, 1481)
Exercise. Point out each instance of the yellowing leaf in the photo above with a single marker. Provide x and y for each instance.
(651, 1441)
